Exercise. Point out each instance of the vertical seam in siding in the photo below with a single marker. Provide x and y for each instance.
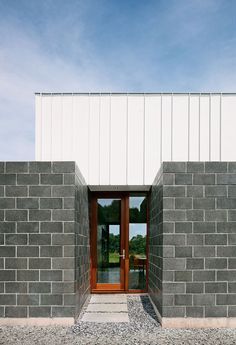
(188, 126)
(62, 127)
(51, 141)
(210, 127)
(171, 129)
(88, 137)
(127, 129)
(144, 136)
(161, 129)
(220, 134)
(41, 121)
(72, 129)
(99, 141)
(110, 141)
(199, 128)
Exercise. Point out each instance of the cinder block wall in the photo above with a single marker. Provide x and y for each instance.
(193, 247)
(40, 224)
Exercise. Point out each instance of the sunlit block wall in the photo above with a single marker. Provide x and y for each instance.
(121, 139)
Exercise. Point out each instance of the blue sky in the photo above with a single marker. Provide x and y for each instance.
(108, 45)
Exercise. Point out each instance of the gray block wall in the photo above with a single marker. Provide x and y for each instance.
(192, 256)
(40, 229)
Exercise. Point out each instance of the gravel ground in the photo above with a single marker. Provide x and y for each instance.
(142, 329)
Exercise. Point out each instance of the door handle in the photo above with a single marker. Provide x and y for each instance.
(123, 254)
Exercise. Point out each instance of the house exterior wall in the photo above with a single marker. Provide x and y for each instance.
(192, 265)
(121, 139)
(44, 235)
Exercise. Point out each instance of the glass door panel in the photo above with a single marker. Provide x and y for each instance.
(137, 242)
(108, 241)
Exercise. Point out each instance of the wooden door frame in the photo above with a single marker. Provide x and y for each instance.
(124, 286)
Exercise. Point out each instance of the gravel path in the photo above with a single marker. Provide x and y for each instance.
(143, 329)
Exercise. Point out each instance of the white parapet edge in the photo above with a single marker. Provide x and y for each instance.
(37, 321)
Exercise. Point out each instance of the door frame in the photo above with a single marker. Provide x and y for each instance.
(123, 287)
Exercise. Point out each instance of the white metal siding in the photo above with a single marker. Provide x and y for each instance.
(121, 139)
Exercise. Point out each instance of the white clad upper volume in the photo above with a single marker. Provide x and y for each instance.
(121, 139)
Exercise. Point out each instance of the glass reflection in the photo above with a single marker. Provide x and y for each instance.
(137, 242)
(108, 241)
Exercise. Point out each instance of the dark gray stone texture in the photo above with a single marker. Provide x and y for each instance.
(44, 239)
(192, 243)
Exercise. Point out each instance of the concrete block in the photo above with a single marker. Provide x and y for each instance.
(27, 251)
(183, 300)
(216, 167)
(16, 312)
(50, 203)
(41, 263)
(27, 179)
(216, 287)
(51, 179)
(27, 203)
(39, 287)
(204, 300)
(50, 275)
(63, 215)
(195, 167)
(40, 191)
(16, 191)
(27, 227)
(27, 275)
(194, 287)
(7, 203)
(7, 227)
(227, 179)
(195, 191)
(183, 227)
(15, 239)
(39, 311)
(63, 167)
(39, 215)
(51, 227)
(204, 275)
(63, 191)
(51, 251)
(51, 299)
(40, 167)
(7, 179)
(7, 275)
(15, 287)
(16, 215)
(40, 239)
(28, 299)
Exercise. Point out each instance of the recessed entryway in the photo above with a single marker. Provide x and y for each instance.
(119, 242)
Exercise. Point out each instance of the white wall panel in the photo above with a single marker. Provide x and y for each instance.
(67, 128)
(194, 119)
(204, 128)
(46, 120)
(120, 139)
(94, 113)
(228, 128)
(81, 132)
(166, 128)
(214, 127)
(38, 127)
(135, 139)
(57, 118)
(104, 153)
(180, 128)
(152, 136)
